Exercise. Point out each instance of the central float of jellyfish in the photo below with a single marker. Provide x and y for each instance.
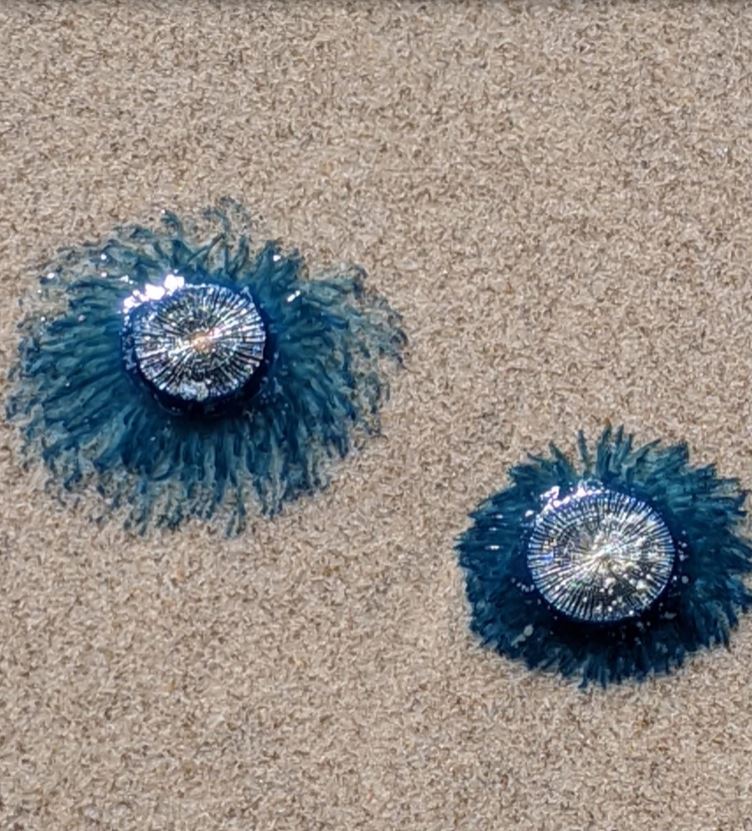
(598, 555)
(197, 346)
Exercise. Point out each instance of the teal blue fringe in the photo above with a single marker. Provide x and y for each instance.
(91, 420)
(700, 607)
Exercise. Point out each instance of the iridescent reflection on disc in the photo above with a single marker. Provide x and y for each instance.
(199, 343)
(600, 556)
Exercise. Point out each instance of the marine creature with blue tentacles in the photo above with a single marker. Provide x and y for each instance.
(187, 379)
(612, 566)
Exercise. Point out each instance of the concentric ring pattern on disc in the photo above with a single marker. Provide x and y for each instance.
(199, 344)
(600, 556)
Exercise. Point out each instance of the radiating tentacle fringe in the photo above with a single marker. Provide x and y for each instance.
(89, 417)
(703, 599)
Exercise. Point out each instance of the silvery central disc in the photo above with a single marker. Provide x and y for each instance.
(600, 556)
(199, 344)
